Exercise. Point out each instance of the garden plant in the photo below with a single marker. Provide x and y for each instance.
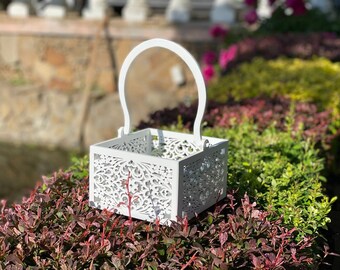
(281, 114)
(55, 228)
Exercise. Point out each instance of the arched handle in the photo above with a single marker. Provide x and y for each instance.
(187, 58)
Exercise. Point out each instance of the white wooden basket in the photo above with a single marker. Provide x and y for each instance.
(170, 174)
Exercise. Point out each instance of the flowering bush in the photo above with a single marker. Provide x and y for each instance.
(55, 229)
(210, 58)
(303, 46)
(294, 7)
(227, 56)
(239, 45)
(311, 21)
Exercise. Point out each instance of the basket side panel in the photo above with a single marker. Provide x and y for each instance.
(136, 142)
(172, 145)
(142, 189)
(204, 179)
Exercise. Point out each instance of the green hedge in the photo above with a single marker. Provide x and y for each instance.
(316, 80)
(56, 229)
(282, 171)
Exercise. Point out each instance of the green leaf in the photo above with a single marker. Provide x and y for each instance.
(333, 200)
(161, 252)
(43, 187)
(21, 228)
(210, 219)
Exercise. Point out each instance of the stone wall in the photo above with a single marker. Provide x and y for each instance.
(57, 62)
(43, 76)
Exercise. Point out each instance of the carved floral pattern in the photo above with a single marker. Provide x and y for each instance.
(204, 182)
(137, 145)
(173, 148)
(150, 186)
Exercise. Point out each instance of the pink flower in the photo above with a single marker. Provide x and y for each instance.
(298, 6)
(251, 16)
(218, 31)
(250, 2)
(226, 56)
(272, 2)
(209, 58)
(208, 72)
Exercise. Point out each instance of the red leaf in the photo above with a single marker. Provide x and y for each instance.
(256, 261)
(223, 237)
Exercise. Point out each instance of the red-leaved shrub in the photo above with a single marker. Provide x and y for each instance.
(261, 111)
(56, 229)
(297, 45)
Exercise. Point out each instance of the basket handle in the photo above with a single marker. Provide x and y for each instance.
(187, 58)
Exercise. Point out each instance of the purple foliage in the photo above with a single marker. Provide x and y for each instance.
(55, 229)
(291, 45)
(261, 111)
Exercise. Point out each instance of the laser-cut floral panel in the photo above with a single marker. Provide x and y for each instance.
(154, 174)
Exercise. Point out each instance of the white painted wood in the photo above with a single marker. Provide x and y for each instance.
(136, 11)
(178, 11)
(170, 174)
(186, 57)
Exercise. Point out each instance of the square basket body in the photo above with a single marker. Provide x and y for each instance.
(168, 175)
